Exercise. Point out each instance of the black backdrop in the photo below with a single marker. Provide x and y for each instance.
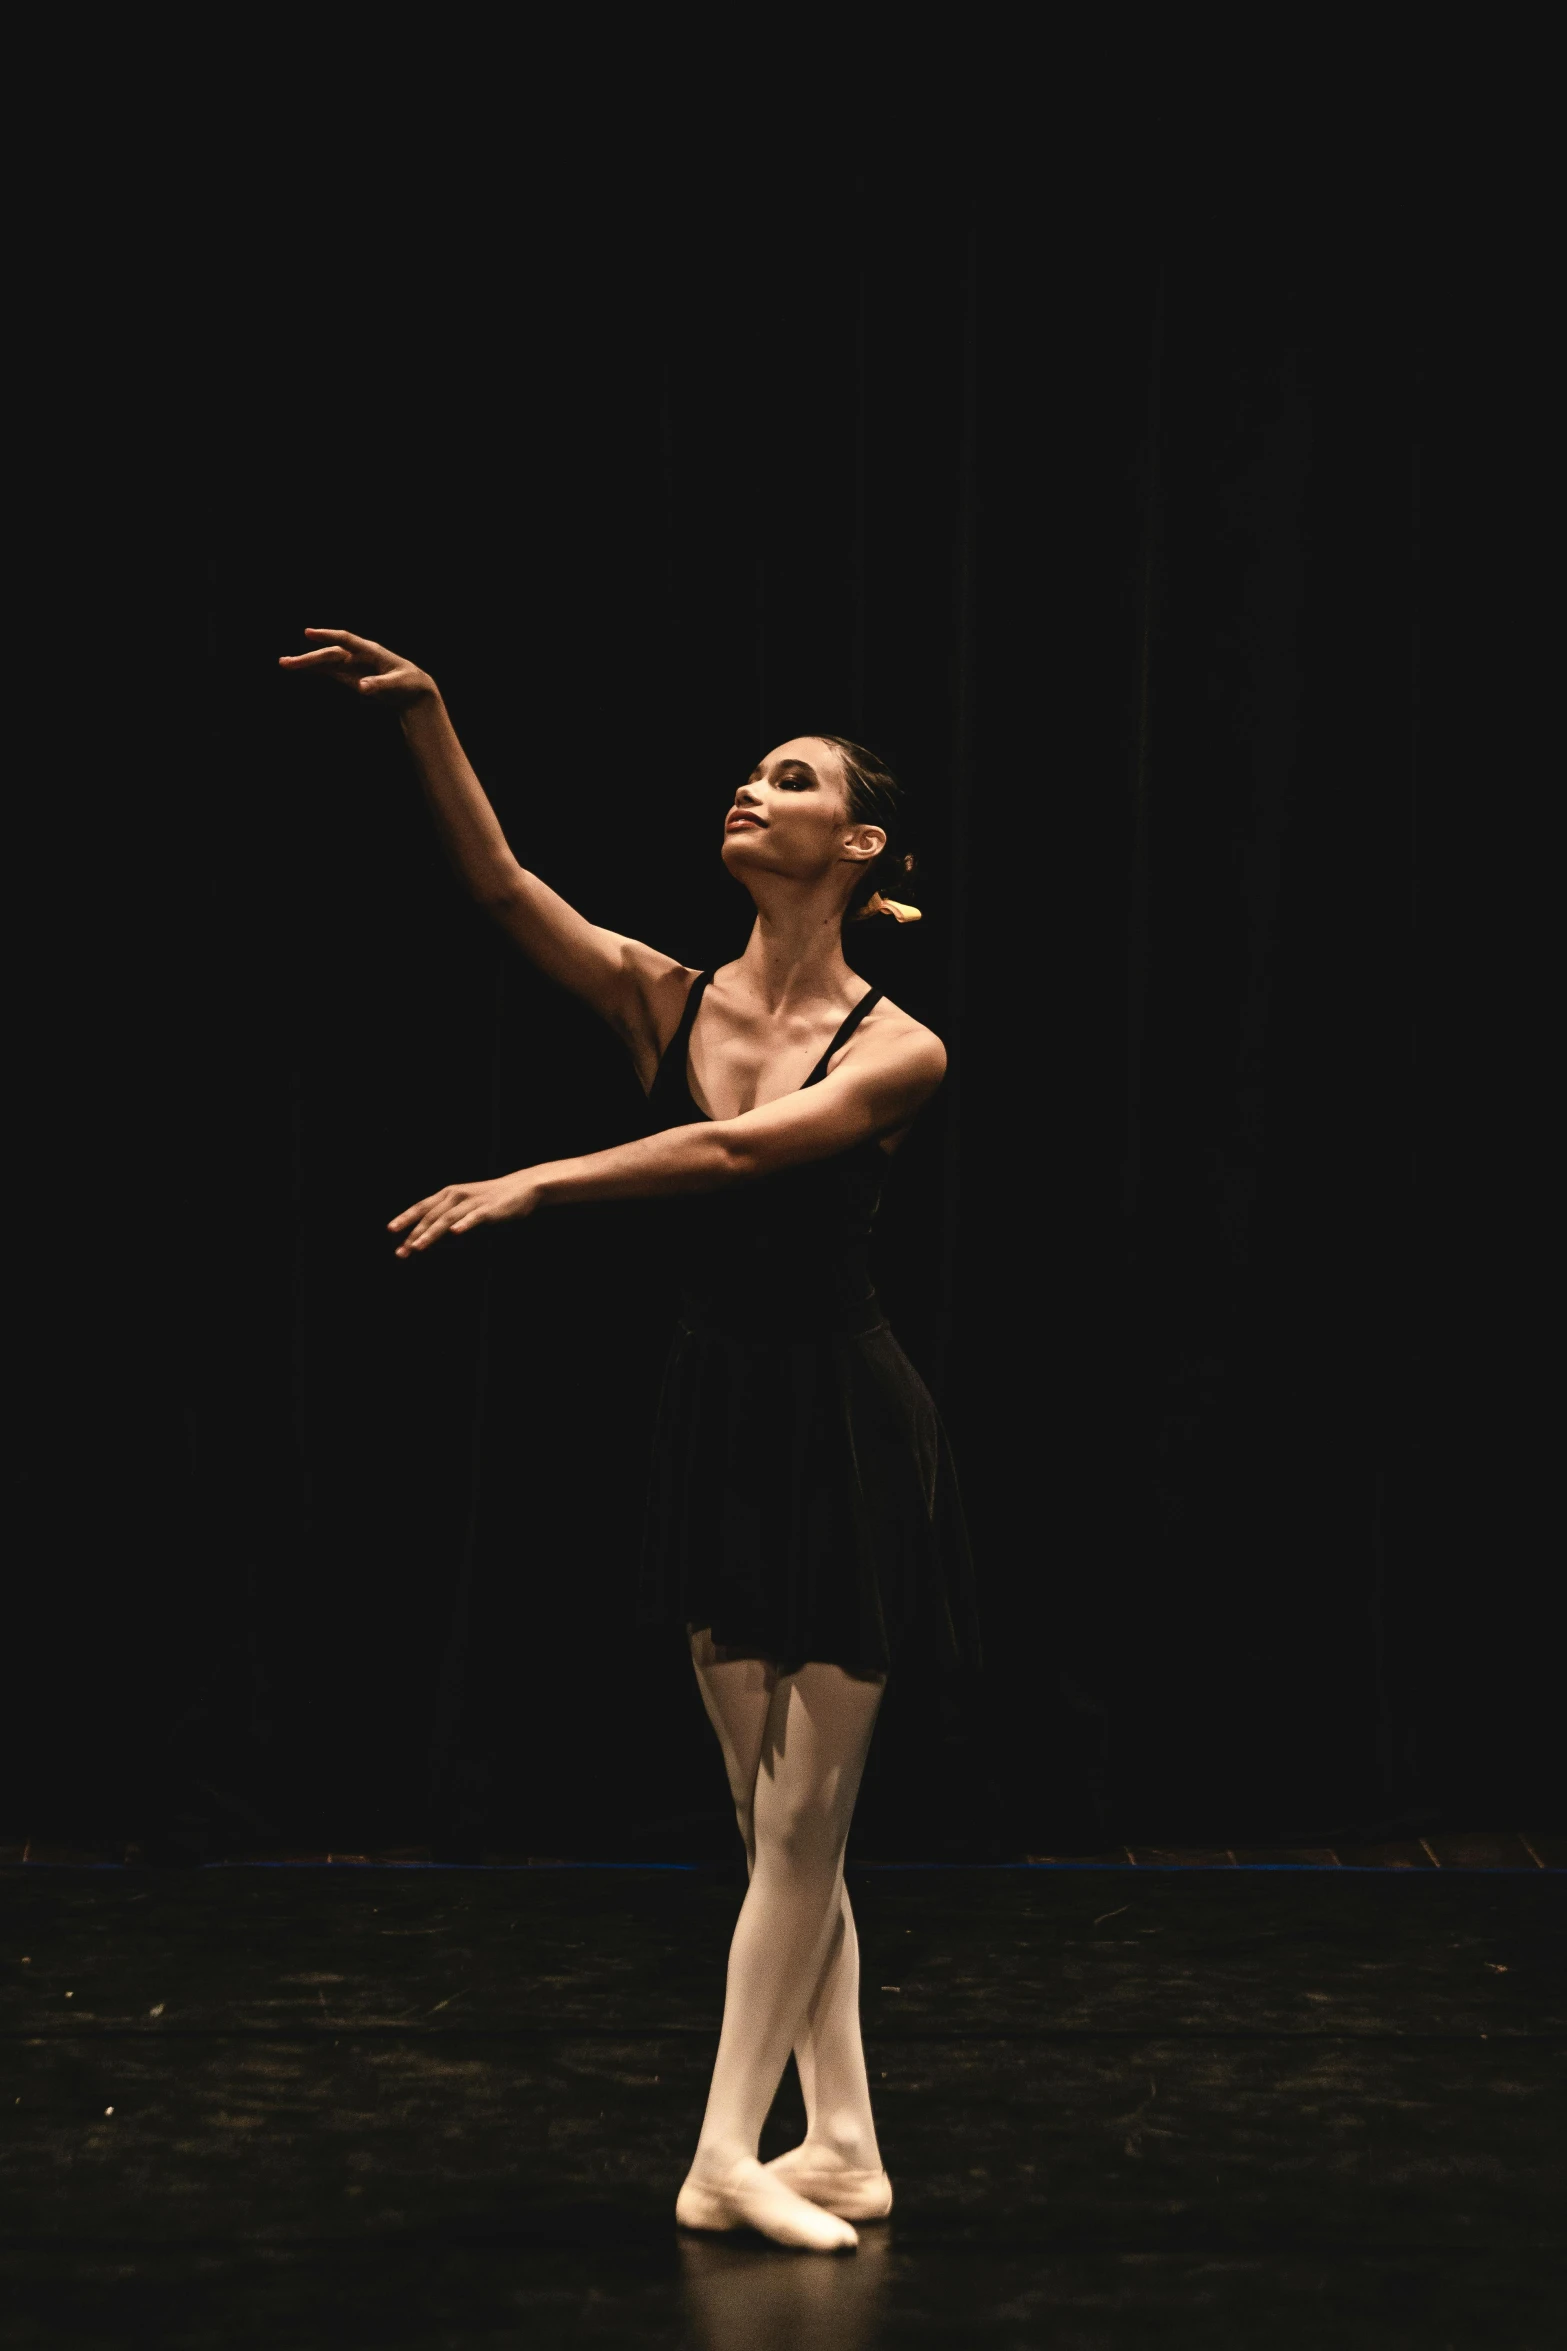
(1115, 531)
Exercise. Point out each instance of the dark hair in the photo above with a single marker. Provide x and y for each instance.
(875, 797)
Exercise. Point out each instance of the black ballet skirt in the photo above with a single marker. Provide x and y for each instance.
(803, 1503)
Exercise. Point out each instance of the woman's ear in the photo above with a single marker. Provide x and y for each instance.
(865, 843)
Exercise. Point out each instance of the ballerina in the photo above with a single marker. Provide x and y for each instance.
(804, 1522)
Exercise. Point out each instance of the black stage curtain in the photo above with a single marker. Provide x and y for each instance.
(1109, 522)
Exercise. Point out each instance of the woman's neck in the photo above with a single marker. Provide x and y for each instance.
(794, 957)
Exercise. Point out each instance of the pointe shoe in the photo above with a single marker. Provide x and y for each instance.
(852, 2195)
(751, 2197)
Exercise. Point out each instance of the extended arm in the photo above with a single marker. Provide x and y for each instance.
(637, 990)
(876, 1091)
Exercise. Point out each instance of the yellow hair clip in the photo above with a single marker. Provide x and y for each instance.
(877, 904)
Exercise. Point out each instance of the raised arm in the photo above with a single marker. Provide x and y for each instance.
(633, 987)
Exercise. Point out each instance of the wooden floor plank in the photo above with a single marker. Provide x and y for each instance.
(1181, 1857)
(56, 1853)
(280, 1857)
(1407, 1853)
(1286, 1857)
(1114, 1857)
(1474, 1849)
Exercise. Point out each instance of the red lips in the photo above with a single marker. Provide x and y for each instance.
(739, 816)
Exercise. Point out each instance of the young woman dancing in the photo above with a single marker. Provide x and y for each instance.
(804, 1521)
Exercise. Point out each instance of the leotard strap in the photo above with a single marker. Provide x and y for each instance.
(867, 1003)
(672, 1062)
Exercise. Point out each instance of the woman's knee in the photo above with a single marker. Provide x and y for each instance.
(799, 1833)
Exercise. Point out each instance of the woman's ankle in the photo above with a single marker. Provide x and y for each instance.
(846, 2127)
(718, 2161)
(841, 2150)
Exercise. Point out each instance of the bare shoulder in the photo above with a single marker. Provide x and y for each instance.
(893, 1035)
(654, 977)
(653, 996)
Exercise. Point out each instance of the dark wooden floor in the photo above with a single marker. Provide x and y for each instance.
(1215, 2105)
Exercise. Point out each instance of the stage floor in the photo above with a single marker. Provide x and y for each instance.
(446, 2107)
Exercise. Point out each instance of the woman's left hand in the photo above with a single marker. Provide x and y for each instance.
(461, 1207)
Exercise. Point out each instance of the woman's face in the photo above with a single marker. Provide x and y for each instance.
(791, 816)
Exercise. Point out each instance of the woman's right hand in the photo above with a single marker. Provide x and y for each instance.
(364, 667)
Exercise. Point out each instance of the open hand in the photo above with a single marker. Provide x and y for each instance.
(363, 666)
(461, 1207)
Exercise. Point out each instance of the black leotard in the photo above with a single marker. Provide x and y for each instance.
(804, 1503)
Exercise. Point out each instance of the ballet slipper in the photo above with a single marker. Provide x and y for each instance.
(749, 2197)
(836, 2187)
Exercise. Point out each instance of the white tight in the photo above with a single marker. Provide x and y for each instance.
(794, 1748)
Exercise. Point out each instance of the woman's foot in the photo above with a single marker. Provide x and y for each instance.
(821, 2175)
(750, 2195)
